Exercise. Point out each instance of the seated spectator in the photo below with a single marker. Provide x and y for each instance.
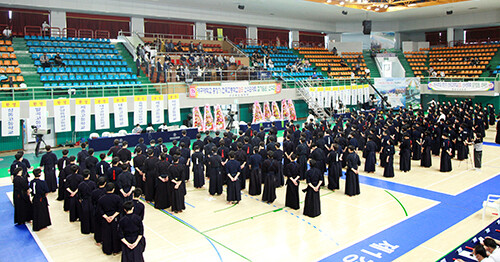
(163, 128)
(178, 47)
(7, 33)
(44, 60)
(270, 63)
(45, 26)
(367, 72)
(232, 60)
(199, 48)
(150, 128)
(441, 74)
(191, 47)
(491, 245)
(137, 129)
(334, 50)
(480, 254)
(434, 74)
(58, 61)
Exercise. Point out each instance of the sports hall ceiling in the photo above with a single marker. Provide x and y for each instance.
(386, 5)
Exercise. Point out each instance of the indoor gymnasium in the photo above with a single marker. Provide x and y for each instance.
(250, 130)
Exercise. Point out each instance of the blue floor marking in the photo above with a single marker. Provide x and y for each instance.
(16, 241)
(490, 144)
(189, 204)
(417, 229)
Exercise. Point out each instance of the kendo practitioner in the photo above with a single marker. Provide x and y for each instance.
(109, 207)
(95, 196)
(214, 166)
(352, 173)
(124, 154)
(176, 176)
(138, 206)
(163, 190)
(240, 156)
(436, 139)
(405, 154)
(255, 165)
(23, 208)
(369, 153)
(233, 170)
(462, 143)
(185, 139)
(198, 160)
(48, 164)
(416, 145)
(445, 154)
(151, 170)
(173, 149)
(302, 153)
(389, 162)
(61, 165)
(334, 168)
(85, 189)
(125, 183)
(287, 149)
(114, 171)
(139, 173)
(91, 163)
(319, 156)
(497, 137)
(140, 145)
(312, 205)
(39, 190)
(18, 162)
(426, 160)
(72, 182)
(131, 234)
(102, 167)
(82, 155)
(186, 155)
(278, 157)
(291, 171)
(114, 149)
(269, 172)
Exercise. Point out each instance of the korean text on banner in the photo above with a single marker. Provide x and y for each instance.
(62, 115)
(157, 112)
(10, 118)
(140, 110)
(82, 114)
(101, 108)
(38, 113)
(174, 108)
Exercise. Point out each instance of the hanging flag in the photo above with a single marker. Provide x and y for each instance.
(174, 108)
(366, 95)
(285, 111)
(209, 120)
(276, 111)
(198, 119)
(62, 115)
(82, 114)
(120, 111)
(220, 123)
(321, 96)
(38, 113)
(293, 115)
(257, 113)
(140, 110)
(267, 111)
(11, 115)
(328, 96)
(157, 113)
(101, 109)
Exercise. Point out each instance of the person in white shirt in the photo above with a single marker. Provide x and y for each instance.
(163, 128)
(45, 26)
(441, 74)
(480, 254)
(232, 60)
(367, 72)
(434, 74)
(7, 33)
(491, 245)
(137, 129)
(270, 63)
(150, 128)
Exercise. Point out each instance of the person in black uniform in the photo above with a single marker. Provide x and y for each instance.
(269, 173)
(131, 234)
(138, 206)
(319, 156)
(416, 143)
(497, 137)
(233, 170)
(186, 155)
(48, 164)
(445, 154)
(255, 166)
(85, 189)
(102, 167)
(389, 153)
(214, 165)
(151, 170)
(109, 207)
(405, 154)
(138, 162)
(82, 155)
(291, 171)
(312, 204)
(369, 154)
(114, 149)
(241, 156)
(198, 160)
(124, 154)
(302, 154)
(125, 183)
(18, 162)
(426, 160)
(61, 165)
(334, 168)
(114, 171)
(95, 196)
(39, 190)
(352, 177)
(72, 182)
(91, 163)
(461, 143)
(23, 208)
(176, 176)
(163, 189)
(140, 145)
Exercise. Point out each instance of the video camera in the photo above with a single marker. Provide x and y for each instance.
(37, 131)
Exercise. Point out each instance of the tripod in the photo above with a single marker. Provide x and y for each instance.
(39, 140)
(230, 122)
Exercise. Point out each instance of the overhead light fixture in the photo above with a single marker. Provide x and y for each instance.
(377, 9)
(328, 1)
(412, 5)
(368, 7)
(342, 3)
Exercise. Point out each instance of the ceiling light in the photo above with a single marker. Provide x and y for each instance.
(412, 5)
(377, 9)
(368, 7)
(342, 3)
(328, 1)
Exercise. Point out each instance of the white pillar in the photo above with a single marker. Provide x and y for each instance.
(137, 25)
(57, 19)
(459, 34)
(450, 36)
(397, 39)
(252, 32)
(293, 37)
(332, 37)
(200, 30)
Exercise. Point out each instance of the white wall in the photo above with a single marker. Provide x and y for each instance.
(357, 37)
(137, 24)
(57, 19)
(346, 46)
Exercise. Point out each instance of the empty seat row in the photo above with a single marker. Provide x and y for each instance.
(56, 70)
(68, 44)
(59, 78)
(89, 63)
(83, 85)
(82, 57)
(71, 39)
(71, 50)
(10, 70)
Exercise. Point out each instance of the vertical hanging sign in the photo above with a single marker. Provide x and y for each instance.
(157, 112)
(140, 110)
(174, 108)
(38, 113)
(62, 115)
(82, 114)
(120, 111)
(101, 108)
(10, 118)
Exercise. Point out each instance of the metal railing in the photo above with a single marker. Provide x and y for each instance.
(214, 75)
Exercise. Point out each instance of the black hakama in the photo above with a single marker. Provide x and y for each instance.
(389, 166)
(334, 170)
(255, 184)
(233, 187)
(214, 173)
(74, 205)
(426, 160)
(130, 228)
(445, 157)
(292, 191)
(269, 171)
(49, 162)
(41, 216)
(23, 209)
(96, 195)
(352, 179)
(151, 170)
(312, 204)
(85, 190)
(371, 158)
(176, 174)
(108, 205)
(405, 156)
(198, 160)
(163, 190)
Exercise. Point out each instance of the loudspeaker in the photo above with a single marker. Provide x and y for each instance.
(241, 7)
(367, 27)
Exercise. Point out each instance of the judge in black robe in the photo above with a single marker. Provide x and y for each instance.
(74, 205)
(49, 162)
(151, 170)
(214, 166)
(352, 177)
(371, 158)
(312, 204)
(109, 207)
(176, 176)
(291, 171)
(389, 165)
(233, 170)
(461, 144)
(405, 154)
(334, 168)
(445, 155)
(85, 189)
(39, 190)
(269, 171)
(23, 209)
(255, 165)
(198, 160)
(95, 196)
(131, 234)
(163, 191)
(426, 160)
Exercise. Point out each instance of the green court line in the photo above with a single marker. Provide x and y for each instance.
(404, 209)
(225, 208)
(202, 233)
(244, 219)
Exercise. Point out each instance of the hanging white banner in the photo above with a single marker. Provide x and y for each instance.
(140, 110)
(321, 96)
(101, 108)
(38, 113)
(328, 96)
(120, 111)
(157, 112)
(10, 118)
(62, 115)
(174, 108)
(82, 114)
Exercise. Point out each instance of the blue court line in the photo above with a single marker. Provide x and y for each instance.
(416, 230)
(188, 204)
(16, 241)
(490, 144)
